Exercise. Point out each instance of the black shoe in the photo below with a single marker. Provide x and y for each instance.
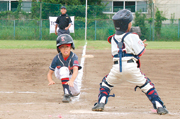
(162, 110)
(98, 107)
(66, 98)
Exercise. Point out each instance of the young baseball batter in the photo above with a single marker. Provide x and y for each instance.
(126, 49)
(65, 65)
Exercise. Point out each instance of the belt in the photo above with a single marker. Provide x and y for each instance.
(128, 61)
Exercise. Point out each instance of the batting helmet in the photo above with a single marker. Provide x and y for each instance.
(64, 39)
(121, 20)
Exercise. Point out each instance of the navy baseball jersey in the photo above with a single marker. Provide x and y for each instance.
(59, 62)
(63, 21)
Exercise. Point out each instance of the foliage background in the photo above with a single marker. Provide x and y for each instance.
(35, 25)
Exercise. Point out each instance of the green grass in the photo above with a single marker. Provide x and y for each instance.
(33, 44)
(99, 45)
(163, 45)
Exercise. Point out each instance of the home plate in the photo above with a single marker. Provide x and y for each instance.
(97, 112)
(82, 111)
(88, 56)
(85, 111)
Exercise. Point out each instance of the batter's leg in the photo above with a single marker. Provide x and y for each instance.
(75, 91)
(64, 76)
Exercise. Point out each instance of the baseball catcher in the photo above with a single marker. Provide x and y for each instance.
(126, 49)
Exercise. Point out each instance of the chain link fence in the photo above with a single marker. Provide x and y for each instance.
(32, 22)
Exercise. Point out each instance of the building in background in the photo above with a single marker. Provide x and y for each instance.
(11, 5)
(168, 7)
(132, 5)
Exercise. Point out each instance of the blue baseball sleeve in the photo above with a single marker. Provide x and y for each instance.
(75, 61)
(54, 63)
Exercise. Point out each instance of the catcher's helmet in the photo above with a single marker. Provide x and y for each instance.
(64, 39)
(121, 20)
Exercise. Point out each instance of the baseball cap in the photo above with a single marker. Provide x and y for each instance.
(63, 7)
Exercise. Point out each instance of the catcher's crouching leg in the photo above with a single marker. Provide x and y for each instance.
(104, 92)
(150, 91)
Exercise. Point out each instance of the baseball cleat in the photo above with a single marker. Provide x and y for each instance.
(162, 111)
(98, 107)
(66, 98)
(74, 95)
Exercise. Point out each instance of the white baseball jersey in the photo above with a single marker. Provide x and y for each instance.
(130, 72)
(133, 45)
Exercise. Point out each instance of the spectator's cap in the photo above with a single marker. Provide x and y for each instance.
(63, 7)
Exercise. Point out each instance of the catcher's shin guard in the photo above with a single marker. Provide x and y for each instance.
(156, 101)
(104, 91)
(102, 98)
(65, 86)
(149, 89)
(103, 95)
(154, 98)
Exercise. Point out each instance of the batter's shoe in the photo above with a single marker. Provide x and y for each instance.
(74, 94)
(66, 98)
(162, 110)
(98, 107)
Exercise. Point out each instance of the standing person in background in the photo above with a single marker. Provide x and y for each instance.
(63, 22)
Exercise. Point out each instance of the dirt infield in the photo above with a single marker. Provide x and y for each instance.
(25, 94)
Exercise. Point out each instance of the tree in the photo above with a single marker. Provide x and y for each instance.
(73, 2)
(172, 18)
(140, 21)
(17, 14)
(151, 7)
(74, 8)
(158, 21)
(63, 2)
(35, 10)
(91, 2)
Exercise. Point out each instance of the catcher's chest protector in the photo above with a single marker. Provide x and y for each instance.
(120, 52)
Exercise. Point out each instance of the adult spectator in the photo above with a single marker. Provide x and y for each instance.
(63, 22)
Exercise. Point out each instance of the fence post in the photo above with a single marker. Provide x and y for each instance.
(153, 22)
(150, 32)
(40, 30)
(40, 23)
(95, 31)
(178, 27)
(14, 28)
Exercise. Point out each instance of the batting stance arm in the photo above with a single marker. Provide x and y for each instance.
(49, 77)
(74, 75)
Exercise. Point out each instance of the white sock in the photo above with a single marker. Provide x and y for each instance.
(103, 99)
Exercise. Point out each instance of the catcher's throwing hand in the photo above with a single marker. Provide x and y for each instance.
(70, 83)
(145, 44)
(51, 83)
